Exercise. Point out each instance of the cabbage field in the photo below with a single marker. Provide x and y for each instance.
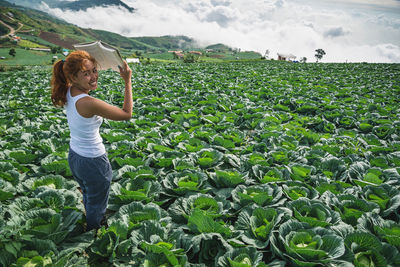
(231, 164)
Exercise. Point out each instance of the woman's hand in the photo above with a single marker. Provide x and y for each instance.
(125, 72)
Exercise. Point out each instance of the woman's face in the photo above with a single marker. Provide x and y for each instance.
(86, 79)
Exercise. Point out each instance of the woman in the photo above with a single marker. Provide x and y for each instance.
(72, 80)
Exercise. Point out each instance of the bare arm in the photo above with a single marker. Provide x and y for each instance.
(126, 74)
(89, 106)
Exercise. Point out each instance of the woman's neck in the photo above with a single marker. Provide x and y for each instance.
(76, 90)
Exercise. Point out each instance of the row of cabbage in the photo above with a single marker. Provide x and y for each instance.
(258, 164)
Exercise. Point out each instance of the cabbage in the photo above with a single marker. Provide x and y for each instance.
(305, 245)
(258, 224)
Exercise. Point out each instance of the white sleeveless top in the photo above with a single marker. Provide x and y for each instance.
(84, 132)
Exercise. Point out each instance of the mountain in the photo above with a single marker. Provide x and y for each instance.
(49, 31)
(219, 47)
(85, 4)
(72, 5)
(6, 4)
(169, 42)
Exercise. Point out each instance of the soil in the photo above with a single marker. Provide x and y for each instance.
(57, 40)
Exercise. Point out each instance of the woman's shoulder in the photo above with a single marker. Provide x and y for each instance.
(88, 101)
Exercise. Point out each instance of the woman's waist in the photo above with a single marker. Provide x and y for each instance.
(94, 139)
(88, 149)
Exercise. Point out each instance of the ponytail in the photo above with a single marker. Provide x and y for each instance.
(59, 85)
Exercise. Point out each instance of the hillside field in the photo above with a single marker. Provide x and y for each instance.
(222, 164)
(27, 57)
(25, 28)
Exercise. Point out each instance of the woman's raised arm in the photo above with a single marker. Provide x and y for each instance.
(89, 106)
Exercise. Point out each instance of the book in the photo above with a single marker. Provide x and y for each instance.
(107, 56)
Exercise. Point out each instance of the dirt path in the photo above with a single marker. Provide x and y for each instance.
(20, 26)
(12, 30)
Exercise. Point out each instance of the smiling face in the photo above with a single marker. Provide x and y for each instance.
(86, 79)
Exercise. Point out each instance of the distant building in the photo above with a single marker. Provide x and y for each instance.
(16, 38)
(41, 49)
(132, 60)
(196, 53)
(177, 54)
(286, 57)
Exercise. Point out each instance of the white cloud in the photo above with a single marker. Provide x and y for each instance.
(336, 32)
(284, 26)
(220, 2)
(392, 6)
(385, 21)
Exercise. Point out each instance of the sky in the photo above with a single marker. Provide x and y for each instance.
(347, 30)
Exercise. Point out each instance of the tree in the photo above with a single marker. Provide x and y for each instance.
(12, 52)
(190, 58)
(319, 54)
(56, 49)
(303, 60)
(266, 54)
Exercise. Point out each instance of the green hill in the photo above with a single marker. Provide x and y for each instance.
(219, 47)
(49, 29)
(39, 30)
(85, 4)
(75, 5)
(169, 42)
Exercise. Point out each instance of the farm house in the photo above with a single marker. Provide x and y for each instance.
(41, 49)
(196, 53)
(132, 60)
(286, 57)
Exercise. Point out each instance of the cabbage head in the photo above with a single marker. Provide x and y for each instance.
(260, 195)
(305, 245)
(258, 224)
(180, 183)
(314, 212)
(183, 207)
(365, 249)
(243, 257)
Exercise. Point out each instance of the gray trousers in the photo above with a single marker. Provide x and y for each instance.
(94, 177)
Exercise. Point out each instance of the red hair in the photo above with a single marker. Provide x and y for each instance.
(63, 73)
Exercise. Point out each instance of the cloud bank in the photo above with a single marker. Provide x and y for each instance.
(370, 33)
